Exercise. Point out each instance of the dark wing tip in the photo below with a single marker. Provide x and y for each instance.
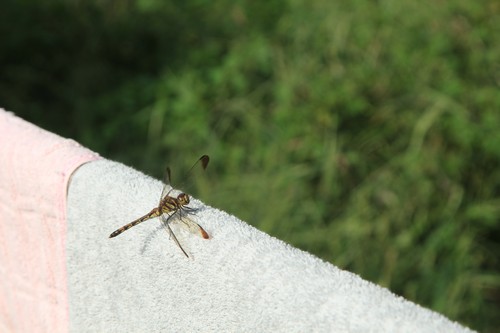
(204, 161)
(204, 234)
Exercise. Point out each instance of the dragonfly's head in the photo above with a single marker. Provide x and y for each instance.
(183, 199)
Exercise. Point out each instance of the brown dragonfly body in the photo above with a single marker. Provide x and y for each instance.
(171, 207)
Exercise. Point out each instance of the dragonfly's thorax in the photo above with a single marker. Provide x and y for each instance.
(183, 199)
(170, 204)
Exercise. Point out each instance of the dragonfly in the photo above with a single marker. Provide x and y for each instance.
(173, 209)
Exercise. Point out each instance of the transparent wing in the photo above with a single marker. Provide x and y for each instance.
(188, 224)
(197, 168)
(186, 182)
(167, 188)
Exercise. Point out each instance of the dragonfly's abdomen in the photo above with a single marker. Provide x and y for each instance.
(154, 213)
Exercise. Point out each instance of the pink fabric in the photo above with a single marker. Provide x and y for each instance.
(35, 167)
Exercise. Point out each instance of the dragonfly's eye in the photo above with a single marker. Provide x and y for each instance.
(183, 198)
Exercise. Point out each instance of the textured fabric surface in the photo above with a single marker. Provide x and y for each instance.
(240, 280)
(35, 167)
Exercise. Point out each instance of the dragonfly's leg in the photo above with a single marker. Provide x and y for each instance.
(176, 241)
(190, 210)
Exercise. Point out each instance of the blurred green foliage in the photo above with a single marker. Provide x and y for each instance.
(365, 132)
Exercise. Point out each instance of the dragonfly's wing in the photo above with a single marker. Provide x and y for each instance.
(201, 163)
(165, 220)
(187, 181)
(167, 188)
(188, 224)
(198, 167)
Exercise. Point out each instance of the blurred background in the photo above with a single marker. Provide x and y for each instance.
(365, 132)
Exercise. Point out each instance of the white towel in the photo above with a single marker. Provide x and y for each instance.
(240, 280)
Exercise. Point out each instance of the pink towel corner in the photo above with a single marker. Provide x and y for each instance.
(35, 168)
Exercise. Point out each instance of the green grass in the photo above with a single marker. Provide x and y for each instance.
(364, 132)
